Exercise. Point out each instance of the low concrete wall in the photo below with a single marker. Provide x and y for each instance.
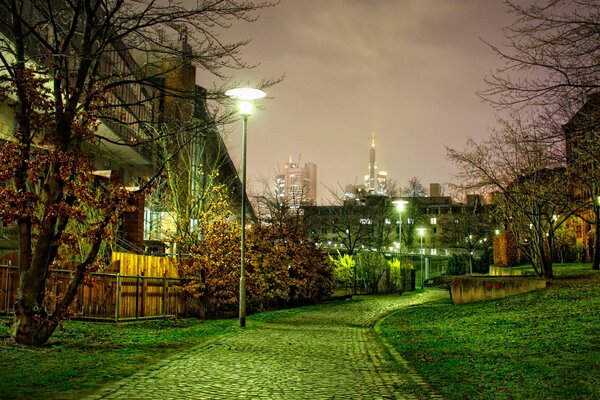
(509, 271)
(468, 289)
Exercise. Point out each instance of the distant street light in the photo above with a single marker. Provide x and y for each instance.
(421, 234)
(400, 206)
(244, 97)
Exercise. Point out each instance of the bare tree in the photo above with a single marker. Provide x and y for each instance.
(550, 59)
(550, 64)
(583, 161)
(274, 208)
(518, 164)
(66, 66)
(414, 188)
(471, 230)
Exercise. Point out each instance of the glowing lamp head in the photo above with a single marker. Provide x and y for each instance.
(245, 108)
(245, 97)
(400, 204)
(421, 231)
(245, 93)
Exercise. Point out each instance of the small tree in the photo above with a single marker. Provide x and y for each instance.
(344, 270)
(470, 231)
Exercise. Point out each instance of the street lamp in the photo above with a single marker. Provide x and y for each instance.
(421, 234)
(244, 97)
(400, 206)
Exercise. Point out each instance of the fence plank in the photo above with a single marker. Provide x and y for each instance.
(111, 296)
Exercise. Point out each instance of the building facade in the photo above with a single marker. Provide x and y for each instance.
(297, 186)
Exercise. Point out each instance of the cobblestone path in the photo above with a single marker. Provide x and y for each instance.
(326, 352)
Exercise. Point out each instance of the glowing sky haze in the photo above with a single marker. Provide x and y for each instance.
(406, 70)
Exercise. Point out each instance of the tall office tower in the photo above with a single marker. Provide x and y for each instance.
(300, 184)
(280, 189)
(370, 181)
(382, 183)
(375, 182)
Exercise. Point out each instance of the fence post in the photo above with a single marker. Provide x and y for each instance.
(118, 297)
(7, 294)
(144, 294)
(164, 305)
(137, 295)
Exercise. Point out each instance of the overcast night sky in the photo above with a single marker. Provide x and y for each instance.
(404, 69)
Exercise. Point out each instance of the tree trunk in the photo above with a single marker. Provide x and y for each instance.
(596, 249)
(546, 260)
(30, 326)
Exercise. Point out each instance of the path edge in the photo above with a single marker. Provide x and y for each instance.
(418, 379)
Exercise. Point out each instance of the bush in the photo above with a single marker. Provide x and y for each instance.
(458, 264)
(282, 268)
(344, 269)
(370, 269)
(374, 273)
(482, 265)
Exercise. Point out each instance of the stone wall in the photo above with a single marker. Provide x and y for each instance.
(496, 270)
(469, 289)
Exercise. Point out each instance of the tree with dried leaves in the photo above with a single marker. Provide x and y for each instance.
(283, 267)
(83, 80)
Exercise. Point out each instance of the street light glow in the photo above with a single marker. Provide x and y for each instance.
(245, 108)
(400, 204)
(245, 93)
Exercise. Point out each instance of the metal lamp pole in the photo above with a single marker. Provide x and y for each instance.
(421, 234)
(245, 110)
(242, 313)
(422, 285)
(400, 206)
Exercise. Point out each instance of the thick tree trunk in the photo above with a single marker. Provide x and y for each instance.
(31, 326)
(546, 258)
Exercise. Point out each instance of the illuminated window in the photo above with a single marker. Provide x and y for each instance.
(433, 221)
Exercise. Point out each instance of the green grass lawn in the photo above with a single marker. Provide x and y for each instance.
(539, 345)
(85, 356)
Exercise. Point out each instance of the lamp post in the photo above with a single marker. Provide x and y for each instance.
(244, 97)
(421, 234)
(400, 206)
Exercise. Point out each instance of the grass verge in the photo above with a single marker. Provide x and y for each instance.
(84, 356)
(539, 345)
(87, 355)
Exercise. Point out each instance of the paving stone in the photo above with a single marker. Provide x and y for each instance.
(332, 352)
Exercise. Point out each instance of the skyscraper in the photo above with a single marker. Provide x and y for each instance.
(375, 182)
(297, 186)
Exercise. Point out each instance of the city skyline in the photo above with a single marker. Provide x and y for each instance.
(406, 70)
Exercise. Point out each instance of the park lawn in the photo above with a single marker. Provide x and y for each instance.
(85, 355)
(539, 345)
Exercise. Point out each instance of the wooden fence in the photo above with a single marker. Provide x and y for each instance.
(111, 296)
